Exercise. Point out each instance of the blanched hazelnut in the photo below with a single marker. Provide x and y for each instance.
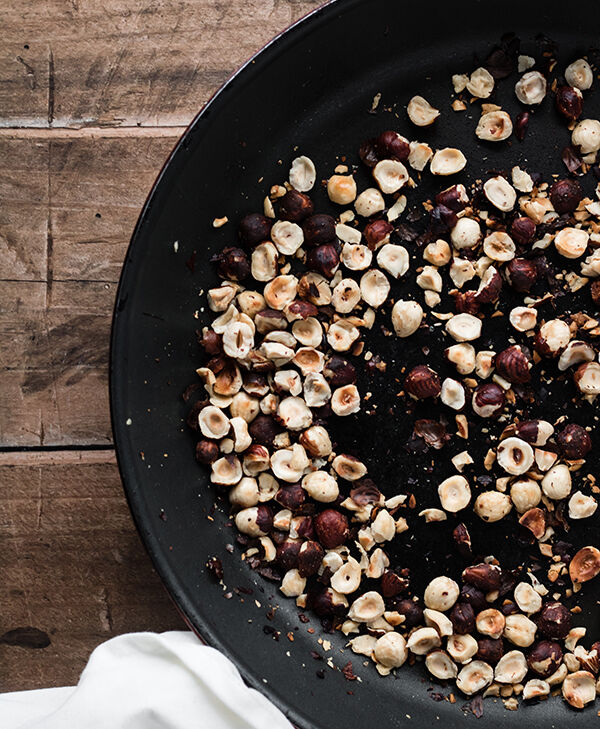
(523, 318)
(466, 233)
(245, 493)
(293, 583)
(574, 353)
(488, 400)
(420, 112)
(320, 486)
(289, 464)
(309, 360)
(552, 337)
(500, 193)
(579, 74)
(515, 456)
(484, 363)
(474, 677)
(294, 414)
(525, 494)
(586, 136)
(582, 506)
(511, 668)
(369, 202)
(345, 400)
(349, 467)
(423, 640)
(531, 88)
(221, 297)
(436, 619)
(585, 565)
(346, 296)
(455, 494)
(213, 422)
(287, 381)
(528, 600)
(316, 441)
(356, 257)
(447, 161)
(341, 189)
(462, 356)
(287, 237)
(255, 460)
(535, 688)
(241, 437)
(579, 689)
(346, 579)
(495, 126)
(492, 506)
(255, 521)
(316, 390)
(341, 335)
(556, 484)
(437, 253)
(520, 630)
(571, 242)
(490, 622)
(308, 332)
(393, 259)
(461, 647)
(429, 279)
(390, 650)
(367, 607)
(390, 175)
(441, 593)
(419, 155)
(406, 317)
(383, 527)
(464, 327)
(587, 379)
(281, 291)
(374, 287)
(453, 394)
(440, 665)
(499, 246)
(481, 83)
(303, 174)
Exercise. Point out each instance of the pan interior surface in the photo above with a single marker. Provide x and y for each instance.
(311, 89)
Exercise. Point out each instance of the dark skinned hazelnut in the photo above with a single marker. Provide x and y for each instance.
(305, 527)
(325, 605)
(299, 309)
(377, 232)
(365, 492)
(295, 206)
(338, 371)
(454, 198)
(595, 292)
(545, 658)
(412, 611)
(392, 584)
(264, 518)
(309, 558)
(255, 384)
(521, 125)
(535, 520)
(462, 540)
(565, 195)
(207, 451)
(514, 364)
(486, 577)
(368, 153)
(269, 320)
(534, 432)
(554, 621)
(474, 596)
(462, 616)
(488, 400)
(263, 430)
(490, 650)
(211, 342)
(522, 231)
(422, 382)
(390, 145)
(441, 220)
(286, 554)
(254, 229)
(332, 528)
(569, 102)
(232, 263)
(318, 229)
(574, 442)
(509, 607)
(585, 565)
(466, 302)
(521, 274)
(323, 259)
(490, 287)
(291, 496)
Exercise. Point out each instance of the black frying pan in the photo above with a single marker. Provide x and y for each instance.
(313, 87)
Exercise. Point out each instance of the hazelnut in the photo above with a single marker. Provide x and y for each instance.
(219, 300)
(587, 379)
(339, 371)
(238, 340)
(521, 274)
(495, 126)
(377, 233)
(390, 175)
(461, 647)
(490, 622)
(294, 414)
(574, 442)
(514, 364)
(308, 332)
(474, 677)
(586, 136)
(422, 382)
(441, 593)
(346, 296)
(287, 237)
(345, 400)
(256, 521)
(437, 253)
(556, 484)
(331, 527)
(383, 527)
(554, 621)
(391, 145)
(423, 640)
(486, 577)
(500, 193)
(489, 287)
(393, 259)
(454, 198)
(390, 650)
(346, 579)
(269, 320)
(525, 494)
(440, 665)
(511, 668)
(528, 600)
(499, 246)
(574, 353)
(286, 554)
(323, 259)
(535, 688)
(522, 231)
(490, 650)
(531, 88)
(369, 202)
(447, 161)
(254, 229)
(288, 464)
(419, 156)
(412, 612)
(515, 456)
(341, 189)
(534, 432)
(439, 621)
(430, 279)
(565, 195)
(571, 242)
(367, 607)
(213, 422)
(356, 257)
(232, 263)
(522, 318)
(293, 583)
(582, 506)
(481, 83)
(318, 229)
(374, 287)
(281, 291)
(454, 494)
(420, 112)
(310, 557)
(464, 327)
(552, 337)
(579, 689)
(520, 630)
(207, 451)
(569, 102)
(303, 174)
(488, 400)
(329, 603)
(295, 206)
(585, 565)
(463, 618)
(534, 519)
(341, 335)
(291, 496)
(453, 394)
(264, 262)
(392, 584)
(579, 74)
(545, 658)
(462, 356)
(492, 506)
(465, 234)
(320, 486)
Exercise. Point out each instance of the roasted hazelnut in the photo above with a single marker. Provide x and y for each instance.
(466, 233)
(254, 229)
(310, 557)
(447, 161)
(339, 371)
(390, 175)
(392, 584)
(412, 611)
(574, 442)
(579, 74)
(595, 292)
(464, 327)
(232, 263)
(531, 88)
(587, 379)
(454, 198)
(491, 506)
(490, 650)
(514, 364)
(545, 658)
(461, 647)
(462, 616)
(390, 650)
(474, 596)
(332, 528)
(327, 603)
(488, 400)
(318, 229)
(291, 496)
(207, 451)
(511, 668)
(440, 665)
(489, 287)
(579, 689)
(462, 541)
(522, 231)
(554, 621)
(286, 555)
(552, 337)
(556, 483)
(474, 677)
(534, 519)
(377, 233)
(585, 565)
(574, 353)
(495, 126)
(323, 259)
(295, 206)
(569, 102)
(586, 136)
(255, 521)
(486, 577)
(490, 622)
(534, 432)
(515, 456)
(521, 274)
(390, 145)
(422, 382)
(422, 640)
(565, 195)
(521, 125)
(454, 494)
(367, 608)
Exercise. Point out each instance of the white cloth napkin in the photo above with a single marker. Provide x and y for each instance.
(147, 681)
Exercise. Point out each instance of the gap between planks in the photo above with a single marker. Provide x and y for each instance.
(28, 458)
(90, 132)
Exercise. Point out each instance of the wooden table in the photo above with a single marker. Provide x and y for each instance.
(93, 95)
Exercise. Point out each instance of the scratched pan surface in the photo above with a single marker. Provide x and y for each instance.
(313, 87)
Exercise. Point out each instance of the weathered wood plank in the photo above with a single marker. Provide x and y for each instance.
(150, 62)
(72, 566)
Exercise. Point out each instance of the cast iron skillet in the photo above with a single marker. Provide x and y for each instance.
(313, 87)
